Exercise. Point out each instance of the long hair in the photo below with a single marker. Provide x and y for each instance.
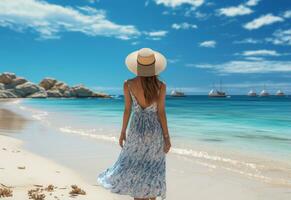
(151, 88)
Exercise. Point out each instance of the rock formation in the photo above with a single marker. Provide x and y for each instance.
(29, 89)
(18, 87)
(55, 88)
(12, 86)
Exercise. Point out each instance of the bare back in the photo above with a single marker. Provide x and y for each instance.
(138, 92)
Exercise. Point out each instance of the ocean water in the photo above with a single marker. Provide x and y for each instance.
(259, 125)
(248, 136)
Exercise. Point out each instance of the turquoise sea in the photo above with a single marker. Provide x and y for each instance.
(259, 125)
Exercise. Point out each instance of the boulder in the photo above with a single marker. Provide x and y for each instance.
(7, 77)
(26, 89)
(54, 93)
(81, 91)
(48, 83)
(67, 94)
(40, 94)
(2, 86)
(55, 88)
(61, 86)
(15, 82)
(7, 94)
(101, 95)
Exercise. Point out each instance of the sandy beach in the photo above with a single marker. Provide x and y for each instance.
(22, 171)
(33, 155)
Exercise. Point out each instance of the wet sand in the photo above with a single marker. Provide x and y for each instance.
(11, 121)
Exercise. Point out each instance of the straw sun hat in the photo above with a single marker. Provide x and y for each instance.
(146, 62)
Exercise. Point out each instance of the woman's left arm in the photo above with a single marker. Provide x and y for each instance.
(126, 113)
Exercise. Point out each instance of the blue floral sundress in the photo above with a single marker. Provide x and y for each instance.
(140, 170)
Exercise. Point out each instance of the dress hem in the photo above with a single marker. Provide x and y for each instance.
(129, 193)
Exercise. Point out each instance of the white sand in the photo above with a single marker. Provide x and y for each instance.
(40, 171)
(186, 179)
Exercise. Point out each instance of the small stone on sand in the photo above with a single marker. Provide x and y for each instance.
(5, 192)
(36, 194)
(76, 191)
(50, 188)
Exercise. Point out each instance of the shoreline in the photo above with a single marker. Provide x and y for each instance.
(190, 175)
(213, 149)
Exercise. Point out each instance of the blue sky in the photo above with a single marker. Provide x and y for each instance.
(244, 43)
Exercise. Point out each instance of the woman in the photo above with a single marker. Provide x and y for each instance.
(140, 168)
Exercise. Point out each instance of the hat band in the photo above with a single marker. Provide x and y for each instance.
(146, 64)
(146, 70)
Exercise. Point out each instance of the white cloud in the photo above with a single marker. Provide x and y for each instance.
(248, 67)
(156, 35)
(242, 9)
(184, 25)
(262, 52)
(175, 60)
(281, 37)
(248, 41)
(254, 58)
(189, 12)
(263, 20)
(287, 14)
(235, 11)
(49, 20)
(200, 15)
(252, 2)
(135, 43)
(209, 44)
(92, 1)
(146, 3)
(177, 3)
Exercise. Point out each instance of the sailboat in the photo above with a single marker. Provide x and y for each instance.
(177, 93)
(217, 93)
(264, 92)
(280, 93)
(252, 93)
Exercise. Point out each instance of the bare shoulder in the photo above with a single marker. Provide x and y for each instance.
(128, 82)
(163, 85)
(125, 84)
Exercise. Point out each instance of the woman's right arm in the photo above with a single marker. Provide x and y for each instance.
(163, 117)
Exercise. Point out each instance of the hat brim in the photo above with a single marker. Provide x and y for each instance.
(160, 63)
